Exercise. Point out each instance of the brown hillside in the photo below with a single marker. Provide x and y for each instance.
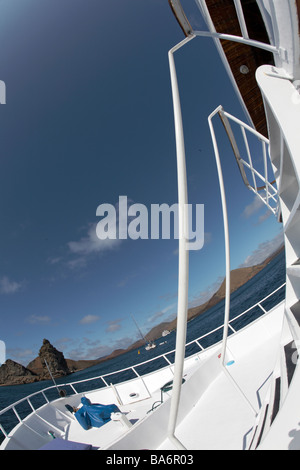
(238, 277)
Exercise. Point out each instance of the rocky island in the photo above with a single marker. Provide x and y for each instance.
(12, 373)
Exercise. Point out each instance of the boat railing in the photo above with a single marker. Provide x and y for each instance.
(42, 394)
(186, 19)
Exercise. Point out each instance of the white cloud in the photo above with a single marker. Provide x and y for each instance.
(89, 319)
(161, 313)
(54, 260)
(62, 344)
(252, 208)
(264, 216)
(92, 244)
(113, 325)
(115, 222)
(9, 287)
(155, 317)
(77, 263)
(126, 280)
(22, 356)
(38, 319)
(86, 349)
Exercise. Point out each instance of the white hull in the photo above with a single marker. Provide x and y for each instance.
(229, 423)
(254, 402)
(150, 346)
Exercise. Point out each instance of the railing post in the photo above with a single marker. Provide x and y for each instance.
(3, 431)
(167, 360)
(136, 373)
(241, 18)
(74, 389)
(262, 308)
(227, 254)
(201, 347)
(106, 384)
(30, 404)
(17, 414)
(183, 249)
(226, 232)
(45, 396)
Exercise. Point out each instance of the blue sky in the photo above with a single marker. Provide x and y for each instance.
(89, 118)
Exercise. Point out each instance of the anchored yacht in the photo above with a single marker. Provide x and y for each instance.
(242, 392)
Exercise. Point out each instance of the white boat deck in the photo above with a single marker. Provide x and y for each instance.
(102, 437)
(218, 426)
(222, 418)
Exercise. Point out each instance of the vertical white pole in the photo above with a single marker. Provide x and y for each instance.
(226, 233)
(183, 267)
(241, 18)
(227, 255)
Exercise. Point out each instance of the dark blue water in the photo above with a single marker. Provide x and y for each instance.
(266, 281)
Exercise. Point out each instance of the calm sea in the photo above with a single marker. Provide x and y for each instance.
(266, 281)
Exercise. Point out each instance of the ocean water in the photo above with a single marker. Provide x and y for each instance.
(266, 281)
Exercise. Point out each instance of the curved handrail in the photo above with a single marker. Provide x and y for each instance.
(244, 38)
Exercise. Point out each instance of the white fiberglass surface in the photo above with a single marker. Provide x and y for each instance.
(222, 418)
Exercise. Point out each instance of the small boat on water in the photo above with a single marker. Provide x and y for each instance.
(149, 344)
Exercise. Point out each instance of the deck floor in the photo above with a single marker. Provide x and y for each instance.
(221, 419)
(216, 414)
(102, 437)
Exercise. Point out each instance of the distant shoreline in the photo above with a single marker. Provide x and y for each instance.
(239, 277)
(218, 296)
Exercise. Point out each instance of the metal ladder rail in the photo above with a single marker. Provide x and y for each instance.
(270, 199)
(227, 257)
